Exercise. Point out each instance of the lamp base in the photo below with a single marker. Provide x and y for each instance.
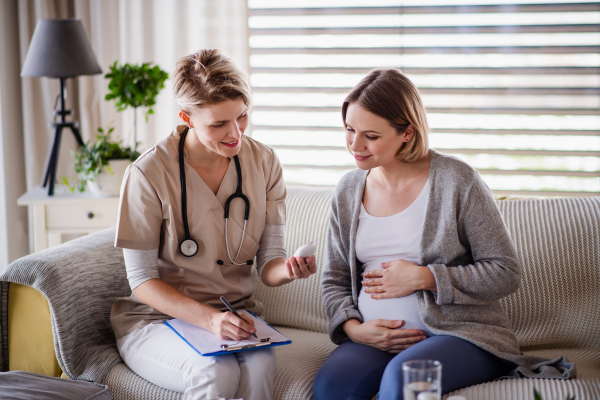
(50, 176)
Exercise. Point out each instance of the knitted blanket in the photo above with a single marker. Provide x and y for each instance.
(80, 279)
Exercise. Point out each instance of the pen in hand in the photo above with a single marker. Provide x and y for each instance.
(230, 308)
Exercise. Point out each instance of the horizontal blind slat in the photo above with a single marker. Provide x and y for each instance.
(481, 171)
(441, 70)
(450, 9)
(448, 130)
(482, 110)
(548, 91)
(579, 153)
(429, 50)
(410, 30)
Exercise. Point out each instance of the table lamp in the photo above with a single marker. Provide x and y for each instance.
(59, 49)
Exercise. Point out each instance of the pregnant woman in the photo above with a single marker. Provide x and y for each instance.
(417, 260)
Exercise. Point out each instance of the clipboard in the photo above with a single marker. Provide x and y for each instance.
(207, 343)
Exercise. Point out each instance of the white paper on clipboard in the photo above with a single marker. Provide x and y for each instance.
(207, 343)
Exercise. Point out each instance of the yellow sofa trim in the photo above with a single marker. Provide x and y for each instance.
(30, 341)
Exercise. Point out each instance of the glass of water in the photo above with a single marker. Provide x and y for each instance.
(422, 380)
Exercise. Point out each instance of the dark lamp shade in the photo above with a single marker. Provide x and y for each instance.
(60, 49)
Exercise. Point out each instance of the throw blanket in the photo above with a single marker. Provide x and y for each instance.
(80, 279)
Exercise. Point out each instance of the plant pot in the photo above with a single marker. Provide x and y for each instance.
(107, 184)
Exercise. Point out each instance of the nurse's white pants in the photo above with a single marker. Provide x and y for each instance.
(158, 355)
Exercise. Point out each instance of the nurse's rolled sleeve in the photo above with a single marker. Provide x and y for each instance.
(140, 213)
(141, 266)
(276, 193)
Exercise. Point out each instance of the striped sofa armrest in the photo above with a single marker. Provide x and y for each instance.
(558, 242)
(80, 279)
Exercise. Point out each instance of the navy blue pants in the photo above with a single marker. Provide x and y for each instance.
(356, 371)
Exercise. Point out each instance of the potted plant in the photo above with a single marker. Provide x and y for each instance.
(135, 86)
(101, 166)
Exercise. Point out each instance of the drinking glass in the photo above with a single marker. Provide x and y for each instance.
(422, 380)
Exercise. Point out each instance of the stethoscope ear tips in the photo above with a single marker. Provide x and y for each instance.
(220, 262)
(249, 262)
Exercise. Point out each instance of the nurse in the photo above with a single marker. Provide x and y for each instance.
(180, 272)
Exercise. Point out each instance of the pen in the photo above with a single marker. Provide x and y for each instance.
(230, 308)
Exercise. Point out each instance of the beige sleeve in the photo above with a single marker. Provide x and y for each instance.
(276, 193)
(140, 213)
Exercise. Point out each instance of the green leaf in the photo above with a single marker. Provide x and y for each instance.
(135, 85)
(67, 182)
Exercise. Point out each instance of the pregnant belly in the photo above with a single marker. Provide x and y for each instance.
(400, 308)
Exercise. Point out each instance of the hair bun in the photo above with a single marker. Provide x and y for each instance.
(208, 77)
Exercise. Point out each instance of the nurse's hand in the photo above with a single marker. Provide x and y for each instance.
(300, 267)
(227, 326)
(398, 278)
(280, 271)
(383, 334)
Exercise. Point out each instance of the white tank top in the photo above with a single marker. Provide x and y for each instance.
(382, 239)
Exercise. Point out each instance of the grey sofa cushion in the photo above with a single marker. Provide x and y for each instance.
(23, 385)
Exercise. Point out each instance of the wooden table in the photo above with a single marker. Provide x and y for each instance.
(66, 213)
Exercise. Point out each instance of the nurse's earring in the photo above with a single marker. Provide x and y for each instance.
(186, 119)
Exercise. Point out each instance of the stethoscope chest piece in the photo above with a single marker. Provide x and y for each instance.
(189, 247)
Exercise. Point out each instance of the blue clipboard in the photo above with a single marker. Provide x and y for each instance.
(207, 343)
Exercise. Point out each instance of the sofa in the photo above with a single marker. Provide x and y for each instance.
(55, 304)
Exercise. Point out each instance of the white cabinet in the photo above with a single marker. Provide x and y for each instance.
(58, 217)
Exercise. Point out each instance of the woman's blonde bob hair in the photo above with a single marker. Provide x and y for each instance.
(208, 77)
(388, 93)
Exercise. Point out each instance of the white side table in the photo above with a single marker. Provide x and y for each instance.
(62, 214)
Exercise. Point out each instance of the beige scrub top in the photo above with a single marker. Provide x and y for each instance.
(150, 217)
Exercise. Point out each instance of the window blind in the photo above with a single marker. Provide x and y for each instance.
(512, 89)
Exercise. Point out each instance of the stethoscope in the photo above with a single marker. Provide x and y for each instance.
(188, 246)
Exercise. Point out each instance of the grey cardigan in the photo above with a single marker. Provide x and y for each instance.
(468, 249)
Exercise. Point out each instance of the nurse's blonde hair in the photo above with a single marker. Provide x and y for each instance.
(388, 93)
(208, 77)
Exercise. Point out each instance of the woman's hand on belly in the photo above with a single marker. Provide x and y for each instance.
(383, 334)
(398, 278)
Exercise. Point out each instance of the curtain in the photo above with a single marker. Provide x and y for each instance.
(13, 219)
(126, 31)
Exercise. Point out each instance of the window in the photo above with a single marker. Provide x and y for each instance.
(512, 89)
